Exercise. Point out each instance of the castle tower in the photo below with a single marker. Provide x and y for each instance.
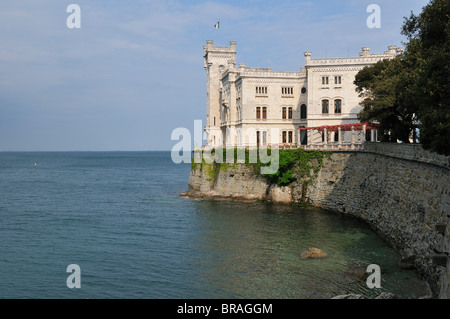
(217, 61)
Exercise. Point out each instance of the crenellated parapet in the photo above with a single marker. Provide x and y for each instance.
(365, 57)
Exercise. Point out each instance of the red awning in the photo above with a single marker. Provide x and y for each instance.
(344, 127)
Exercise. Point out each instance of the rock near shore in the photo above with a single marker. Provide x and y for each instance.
(313, 253)
(383, 295)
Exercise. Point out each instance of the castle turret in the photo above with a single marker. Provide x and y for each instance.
(392, 50)
(307, 56)
(217, 61)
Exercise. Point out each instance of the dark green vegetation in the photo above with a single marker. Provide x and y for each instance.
(292, 163)
(412, 91)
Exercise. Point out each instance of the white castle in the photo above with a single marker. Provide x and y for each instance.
(249, 107)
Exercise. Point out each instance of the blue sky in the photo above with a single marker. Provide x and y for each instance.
(134, 70)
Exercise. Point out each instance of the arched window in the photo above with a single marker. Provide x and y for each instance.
(258, 113)
(304, 137)
(284, 135)
(325, 106)
(283, 113)
(303, 113)
(338, 106)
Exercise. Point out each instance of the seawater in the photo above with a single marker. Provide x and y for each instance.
(118, 215)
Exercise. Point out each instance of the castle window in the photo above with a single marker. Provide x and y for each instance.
(286, 113)
(338, 80)
(287, 137)
(287, 91)
(303, 90)
(325, 105)
(303, 137)
(264, 113)
(261, 138)
(258, 113)
(303, 110)
(261, 90)
(325, 80)
(338, 106)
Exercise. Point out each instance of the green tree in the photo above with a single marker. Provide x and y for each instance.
(382, 88)
(413, 89)
(429, 48)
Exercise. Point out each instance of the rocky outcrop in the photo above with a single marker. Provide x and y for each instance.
(212, 194)
(383, 295)
(349, 296)
(234, 181)
(401, 191)
(280, 194)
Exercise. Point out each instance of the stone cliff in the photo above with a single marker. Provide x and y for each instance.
(401, 191)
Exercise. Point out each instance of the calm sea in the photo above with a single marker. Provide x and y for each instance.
(119, 217)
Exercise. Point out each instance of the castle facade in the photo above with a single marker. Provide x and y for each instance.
(249, 107)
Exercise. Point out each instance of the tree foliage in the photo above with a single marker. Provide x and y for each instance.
(429, 43)
(414, 87)
(381, 88)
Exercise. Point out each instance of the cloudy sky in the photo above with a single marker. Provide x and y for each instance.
(134, 70)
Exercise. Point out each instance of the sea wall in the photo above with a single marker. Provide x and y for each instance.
(401, 191)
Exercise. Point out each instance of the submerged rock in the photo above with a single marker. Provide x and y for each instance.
(356, 273)
(313, 253)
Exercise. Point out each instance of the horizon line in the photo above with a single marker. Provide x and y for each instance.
(73, 151)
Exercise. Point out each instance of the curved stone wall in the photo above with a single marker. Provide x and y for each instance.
(401, 191)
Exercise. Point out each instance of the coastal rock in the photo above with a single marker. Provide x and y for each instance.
(407, 259)
(349, 296)
(399, 190)
(386, 295)
(383, 295)
(280, 194)
(194, 194)
(313, 253)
